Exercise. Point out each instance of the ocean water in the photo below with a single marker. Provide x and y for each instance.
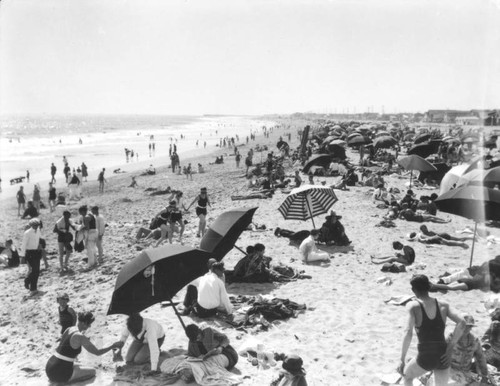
(34, 142)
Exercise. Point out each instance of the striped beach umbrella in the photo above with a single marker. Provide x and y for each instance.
(307, 201)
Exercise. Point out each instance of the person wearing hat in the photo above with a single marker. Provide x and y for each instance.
(30, 249)
(333, 232)
(67, 315)
(201, 210)
(61, 367)
(292, 374)
(428, 317)
(468, 348)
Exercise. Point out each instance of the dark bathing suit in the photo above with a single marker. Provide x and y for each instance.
(65, 319)
(431, 341)
(202, 205)
(58, 369)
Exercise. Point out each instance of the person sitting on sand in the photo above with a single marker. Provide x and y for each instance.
(9, 257)
(209, 344)
(67, 315)
(406, 258)
(409, 215)
(151, 171)
(465, 351)
(310, 252)
(292, 374)
(491, 341)
(201, 169)
(420, 237)
(133, 183)
(166, 222)
(212, 295)
(428, 317)
(332, 231)
(298, 236)
(61, 366)
(148, 336)
(409, 199)
(446, 236)
(30, 212)
(147, 234)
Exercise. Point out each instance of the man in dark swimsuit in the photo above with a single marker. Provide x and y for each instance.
(428, 317)
(446, 236)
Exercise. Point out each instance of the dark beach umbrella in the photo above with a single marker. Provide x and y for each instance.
(307, 201)
(422, 138)
(414, 162)
(318, 160)
(490, 144)
(174, 267)
(476, 203)
(382, 134)
(281, 143)
(409, 137)
(436, 175)
(225, 230)
(329, 139)
(338, 142)
(384, 142)
(336, 151)
(424, 150)
(353, 135)
(359, 140)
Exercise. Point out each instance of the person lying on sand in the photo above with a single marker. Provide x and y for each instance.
(446, 236)
(413, 236)
(406, 258)
(409, 215)
(298, 236)
(147, 234)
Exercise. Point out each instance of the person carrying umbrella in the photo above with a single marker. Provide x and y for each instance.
(61, 367)
(148, 336)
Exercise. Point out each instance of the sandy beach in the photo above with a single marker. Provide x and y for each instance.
(349, 334)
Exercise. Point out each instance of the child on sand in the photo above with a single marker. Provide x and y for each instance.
(67, 315)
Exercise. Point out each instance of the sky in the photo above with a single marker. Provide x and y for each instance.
(248, 57)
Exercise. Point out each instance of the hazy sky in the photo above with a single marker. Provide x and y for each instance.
(247, 57)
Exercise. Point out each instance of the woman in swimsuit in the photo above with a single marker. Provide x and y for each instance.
(201, 210)
(428, 317)
(61, 367)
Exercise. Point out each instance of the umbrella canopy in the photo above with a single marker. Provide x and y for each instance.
(338, 142)
(318, 160)
(488, 177)
(307, 201)
(414, 162)
(329, 139)
(490, 143)
(409, 137)
(174, 267)
(477, 203)
(382, 134)
(225, 230)
(424, 150)
(450, 139)
(385, 142)
(422, 138)
(451, 178)
(470, 140)
(336, 151)
(355, 134)
(358, 140)
(442, 169)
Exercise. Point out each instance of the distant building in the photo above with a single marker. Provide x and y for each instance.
(468, 121)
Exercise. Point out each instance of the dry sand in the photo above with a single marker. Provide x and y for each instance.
(347, 336)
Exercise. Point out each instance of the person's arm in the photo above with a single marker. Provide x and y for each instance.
(24, 244)
(480, 359)
(410, 324)
(208, 202)
(89, 346)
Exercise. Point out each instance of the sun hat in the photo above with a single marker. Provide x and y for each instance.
(469, 320)
(334, 214)
(293, 364)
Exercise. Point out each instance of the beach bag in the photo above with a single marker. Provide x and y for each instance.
(79, 246)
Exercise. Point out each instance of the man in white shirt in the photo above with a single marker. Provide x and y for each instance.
(212, 295)
(148, 336)
(32, 254)
(101, 227)
(310, 251)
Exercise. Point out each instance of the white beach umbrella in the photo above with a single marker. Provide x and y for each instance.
(452, 178)
(307, 201)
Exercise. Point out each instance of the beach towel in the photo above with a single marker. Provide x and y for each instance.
(209, 372)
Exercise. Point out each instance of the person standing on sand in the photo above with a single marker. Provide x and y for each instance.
(101, 227)
(64, 239)
(85, 172)
(61, 367)
(428, 317)
(53, 170)
(89, 228)
(21, 200)
(201, 210)
(52, 197)
(36, 197)
(101, 180)
(33, 254)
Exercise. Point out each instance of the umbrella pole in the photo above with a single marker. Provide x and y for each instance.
(411, 176)
(473, 242)
(310, 212)
(177, 313)
(239, 249)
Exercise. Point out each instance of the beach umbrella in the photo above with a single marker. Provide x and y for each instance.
(382, 133)
(450, 139)
(338, 142)
(422, 138)
(490, 143)
(414, 162)
(222, 234)
(318, 160)
(336, 151)
(307, 201)
(409, 137)
(476, 203)
(384, 142)
(424, 150)
(353, 135)
(487, 177)
(436, 175)
(174, 266)
(451, 178)
(470, 140)
(329, 139)
(358, 141)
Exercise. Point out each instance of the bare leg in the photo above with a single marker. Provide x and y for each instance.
(412, 371)
(383, 260)
(202, 224)
(164, 233)
(81, 373)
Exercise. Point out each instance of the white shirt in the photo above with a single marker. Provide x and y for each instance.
(31, 239)
(307, 246)
(152, 331)
(212, 293)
